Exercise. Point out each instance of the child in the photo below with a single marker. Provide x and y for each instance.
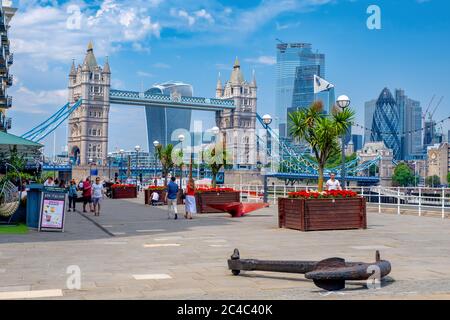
(155, 198)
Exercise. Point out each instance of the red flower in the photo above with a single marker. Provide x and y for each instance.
(218, 189)
(123, 186)
(332, 194)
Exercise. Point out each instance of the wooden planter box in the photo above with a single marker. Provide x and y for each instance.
(322, 214)
(204, 199)
(124, 193)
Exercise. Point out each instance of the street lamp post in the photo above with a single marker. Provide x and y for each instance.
(215, 130)
(109, 165)
(155, 144)
(90, 167)
(267, 120)
(137, 148)
(181, 139)
(122, 152)
(343, 102)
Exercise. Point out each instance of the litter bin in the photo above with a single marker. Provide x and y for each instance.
(34, 196)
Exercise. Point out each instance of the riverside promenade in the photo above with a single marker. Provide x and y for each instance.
(133, 251)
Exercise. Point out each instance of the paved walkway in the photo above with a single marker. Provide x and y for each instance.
(134, 251)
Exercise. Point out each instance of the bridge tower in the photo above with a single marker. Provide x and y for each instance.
(88, 125)
(238, 127)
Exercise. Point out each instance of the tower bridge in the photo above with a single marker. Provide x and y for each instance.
(235, 108)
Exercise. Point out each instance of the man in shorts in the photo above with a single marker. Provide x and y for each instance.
(87, 195)
(97, 195)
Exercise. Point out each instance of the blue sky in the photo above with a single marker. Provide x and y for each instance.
(151, 41)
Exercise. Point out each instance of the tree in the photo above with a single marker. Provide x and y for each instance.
(215, 157)
(433, 181)
(448, 178)
(403, 176)
(321, 131)
(164, 155)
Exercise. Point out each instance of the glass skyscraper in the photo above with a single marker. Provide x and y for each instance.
(162, 123)
(386, 123)
(296, 66)
(397, 121)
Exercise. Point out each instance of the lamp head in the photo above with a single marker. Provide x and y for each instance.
(267, 119)
(343, 102)
(156, 143)
(215, 130)
(181, 138)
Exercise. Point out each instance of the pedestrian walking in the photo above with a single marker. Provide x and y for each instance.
(87, 195)
(73, 195)
(190, 205)
(97, 195)
(171, 197)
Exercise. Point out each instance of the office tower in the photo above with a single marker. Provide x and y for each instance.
(386, 123)
(429, 133)
(296, 66)
(369, 111)
(398, 122)
(410, 113)
(357, 140)
(162, 123)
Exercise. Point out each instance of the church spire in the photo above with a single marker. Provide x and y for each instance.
(106, 68)
(236, 75)
(236, 63)
(253, 83)
(73, 72)
(90, 60)
(219, 82)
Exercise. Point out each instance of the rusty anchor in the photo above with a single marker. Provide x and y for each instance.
(329, 274)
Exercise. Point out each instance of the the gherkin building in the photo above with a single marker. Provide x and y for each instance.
(386, 122)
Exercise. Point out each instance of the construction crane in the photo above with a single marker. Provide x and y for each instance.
(431, 114)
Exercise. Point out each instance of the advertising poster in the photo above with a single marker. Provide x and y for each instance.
(52, 209)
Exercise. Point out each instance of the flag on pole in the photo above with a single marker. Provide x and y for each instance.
(321, 84)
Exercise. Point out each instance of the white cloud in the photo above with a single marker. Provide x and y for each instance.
(161, 65)
(205, 15)
(194, 17)
(39, 101)
(184, 14)
(144, 74)
(41, 32)
(266, 60)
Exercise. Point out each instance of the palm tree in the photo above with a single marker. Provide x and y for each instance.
(164, 155)
(216, 157)
(321, 131)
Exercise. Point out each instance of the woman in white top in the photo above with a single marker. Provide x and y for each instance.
(333, 184)
(97, 195)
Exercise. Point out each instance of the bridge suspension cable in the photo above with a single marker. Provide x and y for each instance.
(45, 128)
(300, 162)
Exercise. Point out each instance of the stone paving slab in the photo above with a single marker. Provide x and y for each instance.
(416, 246)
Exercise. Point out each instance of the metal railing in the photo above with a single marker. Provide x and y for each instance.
(416, 200)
